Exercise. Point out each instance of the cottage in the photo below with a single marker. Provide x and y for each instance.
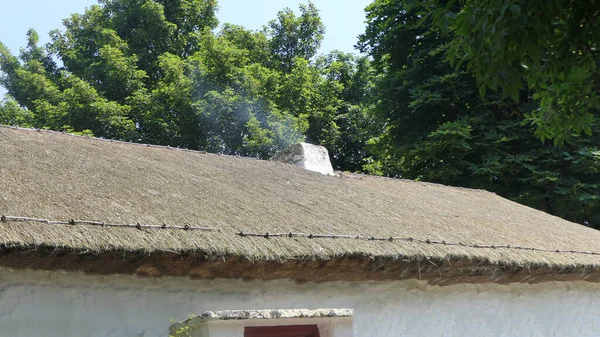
(102, 238)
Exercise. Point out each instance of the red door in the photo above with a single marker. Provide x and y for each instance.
(282, 331)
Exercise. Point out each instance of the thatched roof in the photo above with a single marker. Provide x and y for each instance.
(146, 201)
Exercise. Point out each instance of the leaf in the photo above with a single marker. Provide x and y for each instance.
(515, 9)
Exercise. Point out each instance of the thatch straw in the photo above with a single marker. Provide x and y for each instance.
(58, 177)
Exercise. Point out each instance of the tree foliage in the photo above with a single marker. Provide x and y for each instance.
(291, 37)
(440, 129)
(550, 47)
(156, 71)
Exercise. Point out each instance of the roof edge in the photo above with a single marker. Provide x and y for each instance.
(342, 268)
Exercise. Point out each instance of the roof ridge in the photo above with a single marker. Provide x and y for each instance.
(346, 175)
(267, 235)
(359, 175)
(168, 147)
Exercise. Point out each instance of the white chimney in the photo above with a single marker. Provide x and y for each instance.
(309, 156)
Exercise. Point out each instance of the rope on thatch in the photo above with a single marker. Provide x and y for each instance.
(73, 222)
(409, 239)
(267, 235)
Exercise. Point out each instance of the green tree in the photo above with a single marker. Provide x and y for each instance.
(255, 43)
(57, 99)
(438, 127)
(155, 27)
(345, 122)
(155, 71)
(13, 114)
(292, 37)
(233, 93)
(550, 47)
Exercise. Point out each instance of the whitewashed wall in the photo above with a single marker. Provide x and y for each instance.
(61, 305)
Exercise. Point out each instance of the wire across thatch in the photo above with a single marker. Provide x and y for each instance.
(47, 175)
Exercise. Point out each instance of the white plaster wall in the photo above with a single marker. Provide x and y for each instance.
(61, 305)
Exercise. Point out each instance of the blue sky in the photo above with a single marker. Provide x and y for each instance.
(344, 19)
